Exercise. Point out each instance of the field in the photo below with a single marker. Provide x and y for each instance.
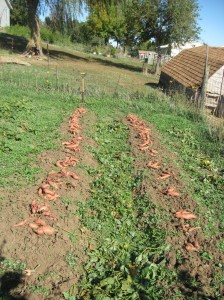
(116, 197)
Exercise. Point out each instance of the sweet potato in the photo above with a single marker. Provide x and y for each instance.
(172, 192)
(190, 248)
(164, 176)
(153, 165)
(183, 214)
(22, 223)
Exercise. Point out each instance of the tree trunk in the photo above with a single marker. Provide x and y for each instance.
(34, 44)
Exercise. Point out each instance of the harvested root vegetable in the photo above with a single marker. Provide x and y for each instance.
(183, 214)
(43, 208)
(153, 152)
(38, 207)
(22, 223)
(190, 248)
(40, 192)
(145, 148)
(48, 230)
(55, 184)
(154, 165)
(172, 192)
(164, 176)
(40, 222)
(143, 131)
(60, 164)
(69, 161)
(51, 197)
(34, 207)
(48, 194)
(44, 185)
(49, 215)
(33, 225)
(67, 173)
(196, 244)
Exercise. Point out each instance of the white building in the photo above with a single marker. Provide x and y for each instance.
(5, 7)
(176, 49)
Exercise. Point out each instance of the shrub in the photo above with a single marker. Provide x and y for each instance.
(19, 30)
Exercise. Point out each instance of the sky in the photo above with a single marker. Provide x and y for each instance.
(211, 21)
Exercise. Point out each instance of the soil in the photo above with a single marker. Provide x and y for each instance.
(190, 266)
(47, 254)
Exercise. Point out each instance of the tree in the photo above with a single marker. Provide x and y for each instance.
(69, 9)
(19, 12)
(35, 7)
(107, 21)
(162, 21)
(33, 22)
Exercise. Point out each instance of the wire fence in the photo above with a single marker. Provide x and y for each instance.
(64, 80)
(214, 91)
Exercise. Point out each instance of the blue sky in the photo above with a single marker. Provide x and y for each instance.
(211, 21)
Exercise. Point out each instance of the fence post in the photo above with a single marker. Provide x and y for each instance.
(83, 86)
(48, 56)
(56, 73)
(12, 45)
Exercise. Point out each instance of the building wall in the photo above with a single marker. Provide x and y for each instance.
(4, 14)
(216, 82)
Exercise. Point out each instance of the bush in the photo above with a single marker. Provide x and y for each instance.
(19, 30)
(47, 35)
(54, 37)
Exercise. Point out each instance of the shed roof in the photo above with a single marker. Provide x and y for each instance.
(188, 67)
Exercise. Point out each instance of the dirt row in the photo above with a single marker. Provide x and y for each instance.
(185, 216)
(39, 224)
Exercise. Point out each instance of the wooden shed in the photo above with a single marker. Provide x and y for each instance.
(5, 7)
(186, 72)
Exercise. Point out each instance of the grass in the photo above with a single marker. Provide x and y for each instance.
(29, 126)
(120, 265)
(129, 258)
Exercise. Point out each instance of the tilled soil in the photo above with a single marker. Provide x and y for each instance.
(196, 275)
(47, 254)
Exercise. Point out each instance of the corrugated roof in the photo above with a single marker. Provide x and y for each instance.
(188, 67)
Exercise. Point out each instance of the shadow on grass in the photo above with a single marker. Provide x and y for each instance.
(18, 44)
(9, 280)
(57, 54)
(154, 85)
(117, 64)
(13, 43)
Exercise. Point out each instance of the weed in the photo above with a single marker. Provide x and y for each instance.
(9, 265)
(71, 260)
(128, 259)
(38, 289)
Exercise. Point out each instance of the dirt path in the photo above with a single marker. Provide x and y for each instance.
(192, 255)
(56, 258)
